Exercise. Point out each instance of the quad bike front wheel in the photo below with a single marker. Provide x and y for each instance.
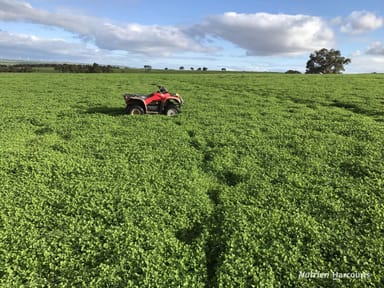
(172, 110)
(135, 110)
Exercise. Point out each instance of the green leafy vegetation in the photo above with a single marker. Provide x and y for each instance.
(263, 180)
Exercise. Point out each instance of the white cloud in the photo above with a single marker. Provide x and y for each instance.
(258, 34)
(359, 22)
(376, 48)
(366, 64)
(271, 34)
(146, 39)
(370, 60)
(356, 53)
(32, 47)
(136, 38)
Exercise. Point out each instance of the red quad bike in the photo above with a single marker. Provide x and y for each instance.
(159, 102)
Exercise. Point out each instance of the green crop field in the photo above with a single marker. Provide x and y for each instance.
(263, 180)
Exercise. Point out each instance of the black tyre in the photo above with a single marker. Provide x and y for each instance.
(135, 110)
(172, 110)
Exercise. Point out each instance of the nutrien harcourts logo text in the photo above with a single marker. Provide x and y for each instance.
(334, 275)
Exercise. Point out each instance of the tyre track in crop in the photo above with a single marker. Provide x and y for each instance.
(215, 246)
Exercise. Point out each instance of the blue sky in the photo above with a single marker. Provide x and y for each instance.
(265, 35)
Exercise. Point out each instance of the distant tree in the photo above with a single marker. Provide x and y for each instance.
(78, 68)
(326, 61)
(192, 68)
(147, 68)
(166, 68)
(223, 69)
(95, 68)
(205, 68)
(293, 72)
(20, 68)
(107, 69)
(199, 69)
(181, 68)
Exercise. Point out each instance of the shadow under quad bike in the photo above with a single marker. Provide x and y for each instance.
(158, 102)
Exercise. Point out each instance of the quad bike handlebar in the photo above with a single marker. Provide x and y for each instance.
(162, 89)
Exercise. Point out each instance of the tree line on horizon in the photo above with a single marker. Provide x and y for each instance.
(64, 68)
(322, 61)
